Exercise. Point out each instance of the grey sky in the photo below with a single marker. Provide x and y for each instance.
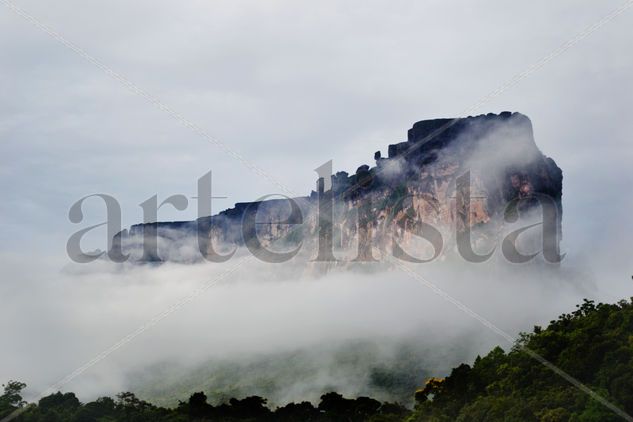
(290, 85)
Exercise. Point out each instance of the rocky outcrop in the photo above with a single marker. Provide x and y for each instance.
(416, 185)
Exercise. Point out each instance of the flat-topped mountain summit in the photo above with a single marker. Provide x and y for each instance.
(451, 174)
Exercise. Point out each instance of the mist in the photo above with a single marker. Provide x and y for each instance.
(340, 329)
(283, 331)
(307, 82)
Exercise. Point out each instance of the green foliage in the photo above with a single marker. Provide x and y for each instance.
(11, 399)
(593, 344)
(62, 407)
(387, 377)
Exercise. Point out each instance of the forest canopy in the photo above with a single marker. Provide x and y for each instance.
(593, 344)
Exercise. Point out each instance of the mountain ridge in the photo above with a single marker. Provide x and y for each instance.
(496, 151)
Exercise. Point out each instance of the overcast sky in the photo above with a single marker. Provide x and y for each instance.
(287, 85)
(290, 85)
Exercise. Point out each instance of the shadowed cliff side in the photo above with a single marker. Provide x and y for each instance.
(417, 183)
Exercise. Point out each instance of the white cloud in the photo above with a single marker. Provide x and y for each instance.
(289, 85)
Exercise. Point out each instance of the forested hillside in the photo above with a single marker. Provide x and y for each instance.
(594, 344)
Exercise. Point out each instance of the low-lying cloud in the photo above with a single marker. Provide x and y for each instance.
(342, 328)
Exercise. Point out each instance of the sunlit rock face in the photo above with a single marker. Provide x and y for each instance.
(451, 174)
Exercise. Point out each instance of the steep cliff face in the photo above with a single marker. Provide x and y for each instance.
(451, 174)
